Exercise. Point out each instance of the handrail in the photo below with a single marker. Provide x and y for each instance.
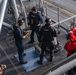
(63, 10)
(62, 66)
(63, 20)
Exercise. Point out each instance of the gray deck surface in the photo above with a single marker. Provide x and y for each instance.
(31, 58)
(8, 50)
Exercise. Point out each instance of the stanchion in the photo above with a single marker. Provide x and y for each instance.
(58, 22)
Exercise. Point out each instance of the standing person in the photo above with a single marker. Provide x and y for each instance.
(34, 19)
(19, 40)
(45, 36)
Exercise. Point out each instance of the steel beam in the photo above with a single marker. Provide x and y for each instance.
(15, 9)
(4, 4)
(23, 11)
(7, 25)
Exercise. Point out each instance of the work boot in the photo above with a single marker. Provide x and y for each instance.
(50, 59)
(39, 62)
(23, 62)
(24, 54)
(31, 42)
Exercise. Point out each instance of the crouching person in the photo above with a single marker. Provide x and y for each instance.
(70, 47)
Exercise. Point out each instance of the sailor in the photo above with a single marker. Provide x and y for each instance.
(45, 36)
(34, 20)
(70, 47)
(19, 40)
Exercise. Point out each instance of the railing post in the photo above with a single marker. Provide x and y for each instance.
(73, 22)
(43, 6)
(46, 10)
(58, 21)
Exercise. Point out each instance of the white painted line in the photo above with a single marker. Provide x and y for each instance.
(9, 58)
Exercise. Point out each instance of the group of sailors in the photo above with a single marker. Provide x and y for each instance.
(47, 36)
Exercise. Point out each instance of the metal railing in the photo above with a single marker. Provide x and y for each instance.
(13, 2)
(57, 11)
(65, 65)
(62, 66)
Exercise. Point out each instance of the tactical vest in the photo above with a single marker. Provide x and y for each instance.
(34, 19)
(47, 33)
